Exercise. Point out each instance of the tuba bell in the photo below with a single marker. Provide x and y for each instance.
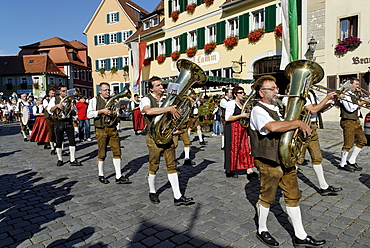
(109, 120)
(67, 102)
(164, 125)
(302, 74)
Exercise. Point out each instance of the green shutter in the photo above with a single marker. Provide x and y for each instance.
(220, 32)
(168, 47)
(243, 26)
(183, 4)
(201, 37)
(156, 50)
(122, 87)
(120, 63)
(117, 16)
(106, 38)
(119, 37)
(183, 42)
(299, 11)
(270, 18)
(97, 89)
(95, 40)
(107, 64)
(152, 51)
(108, 19)
(169, 8)
(97, 65)
(199, 2)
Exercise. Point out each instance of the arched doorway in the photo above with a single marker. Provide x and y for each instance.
(271, 66)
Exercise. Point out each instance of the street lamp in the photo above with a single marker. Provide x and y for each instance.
(312, 48)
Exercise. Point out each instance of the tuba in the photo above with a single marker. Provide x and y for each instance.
(249, 103)
(164, 125)
(109, 120)
(302, 74)
(67, 102)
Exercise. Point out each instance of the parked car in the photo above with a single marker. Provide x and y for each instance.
(367, 127)
(124, 110)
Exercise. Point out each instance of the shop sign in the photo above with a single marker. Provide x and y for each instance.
(201, 60)
(361, 61)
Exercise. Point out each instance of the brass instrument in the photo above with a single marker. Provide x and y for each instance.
(249, 103)
(67, 102)
(303, 74)
(109, 120)
(164, 125)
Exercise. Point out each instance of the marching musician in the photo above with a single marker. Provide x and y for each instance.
(350, 123)
(266, 127)
(223, 103)
(22, 102)
(50, 120)
(63, 125)
(194, 118)
(150, 106)
(106, 135)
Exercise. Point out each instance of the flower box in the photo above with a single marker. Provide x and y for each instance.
(35, 85)
(278, 31)
(191, 51)
(255, 35)
(209, 47)
(208, 2)
(347, 44)
(191, 8)
(146, 62)
(175, 55)
(175, 15)
(52, 86)
(161, 58)
(231, 41)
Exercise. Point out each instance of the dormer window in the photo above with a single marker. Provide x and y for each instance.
(146, 24)
(155, 21)
(30, 62)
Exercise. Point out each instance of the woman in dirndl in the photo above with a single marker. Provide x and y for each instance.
(39, 130)
(237, 146)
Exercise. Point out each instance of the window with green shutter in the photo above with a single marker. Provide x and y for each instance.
(183, 42)
(299, 11)
(107, 64)
(168, 47)
(117, 16)
(152, 51)
(183, 4)
(201, 37)
(119, 37)
(119, 63)
(97, 65)
(156, 50)
(95, 40)
(106, 38)
(169, 8)
(108, 18)
(243, 26)
(220, 32)
(199, 2)
(270, 18)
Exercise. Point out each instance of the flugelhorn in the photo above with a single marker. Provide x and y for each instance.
(67, 102)
(164, 125)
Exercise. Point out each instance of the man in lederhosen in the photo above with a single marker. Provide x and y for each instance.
(194, 119)
(63, 125)
(22, 102)
(50, 122)
(149, 106)
(106, 135)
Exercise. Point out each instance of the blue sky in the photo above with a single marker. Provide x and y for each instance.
(23, 22)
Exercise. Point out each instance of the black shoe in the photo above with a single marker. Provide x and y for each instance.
(346, 167)
(75, 163)
(25, 139)
(103, 180)
(46, 147)
(222, 148)
(329, 191)
(123, 180)
(355, 166)
(53, 152)
(60, 163)
(267, 239)
(203, 143)
(252, 175)
(154, 198)
(189, 162)
(308, 242)
(231, 175)
(183, 201)
(305, 162)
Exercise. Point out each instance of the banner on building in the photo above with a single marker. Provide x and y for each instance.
(138, 56)
(290, 32)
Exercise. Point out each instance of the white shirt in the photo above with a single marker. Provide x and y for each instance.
(91, 109)
(146, 102)
(133, 104)
(347, 103)
(41, 109)
(25, 103)
(224, 101)
(260, 117)
(230, 107)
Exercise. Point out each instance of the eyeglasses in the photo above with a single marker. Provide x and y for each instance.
(63, 90)
(106, 90)
(272, 89)
(240, 93)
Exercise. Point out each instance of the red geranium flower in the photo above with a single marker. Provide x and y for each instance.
(161, 58)
(231, 41)
(191, 51)
(175, 55)
(175, 15)
(209, 47)
(191, 8)
(255, 35)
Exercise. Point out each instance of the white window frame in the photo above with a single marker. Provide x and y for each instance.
(162, 47)
(113, 38)
(125, 35)
(192, 1)
(101, 39)
(176, 5)
(232, 27)
(155, 21)
(60, 81)
(279, 13)
(35, 80)
(211, 33)
(114, 62)
(148, 51)
(176, 44)
(258, 19)
(125, 60)
(192, 38)
(113, 17)
(147, 24)
(101, 63)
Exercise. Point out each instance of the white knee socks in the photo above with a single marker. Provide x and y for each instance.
(151, 182)
(100, 168)
(174, 181)
(295, 215)
(59, 153)
(262, 218)
(72, 151)
(117, 167)
(187, 152)
(343, 159)
(355, 152)
(320, 175)
(199, 132)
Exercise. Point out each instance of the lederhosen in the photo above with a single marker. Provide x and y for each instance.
(63, 125)
(106, 135)
(352, 129)
(265, 150)
(50, 123)
(155, 150)
(193, 118)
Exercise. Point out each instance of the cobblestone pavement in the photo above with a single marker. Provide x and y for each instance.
(43, 205)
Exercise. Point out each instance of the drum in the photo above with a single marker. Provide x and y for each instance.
(25, 115)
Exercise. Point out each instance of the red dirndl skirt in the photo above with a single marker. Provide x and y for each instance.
(39, 130)
(139, 123)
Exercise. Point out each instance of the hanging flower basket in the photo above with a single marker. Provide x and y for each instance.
(191, 51)
(161, 58)
(35, 85)
(191, 8)
(52, 86)
(101, 71)
(175, 55)
(209, 47)
(348, 44)
(278, 31)
(114, 70)
(208, 2)
(175, 15)
(146, 61)
(255, 35)
(231, 41)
